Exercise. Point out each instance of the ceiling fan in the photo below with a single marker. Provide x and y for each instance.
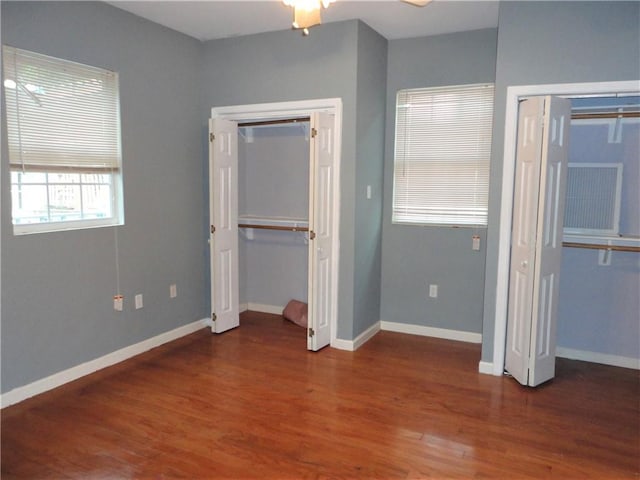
(306, 13)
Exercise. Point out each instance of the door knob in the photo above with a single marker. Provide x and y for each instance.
(524, 264)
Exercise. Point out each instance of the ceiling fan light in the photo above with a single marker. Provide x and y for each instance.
(306, 13)
(305, 18)
(417, 3)
(306, 5)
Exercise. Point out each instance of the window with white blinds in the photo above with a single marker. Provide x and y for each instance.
(442, 154)
(63, 126)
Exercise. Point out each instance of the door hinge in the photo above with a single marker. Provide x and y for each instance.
(312, 234)
(314, 132)
(311, 332)
(212, 137)
(214, 317)
(213, 229)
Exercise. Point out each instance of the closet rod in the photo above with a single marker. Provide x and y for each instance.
(587, 116)
(274, 227)
(280, 121)
(617, 248)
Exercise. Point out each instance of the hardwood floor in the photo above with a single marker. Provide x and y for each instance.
(253, 403)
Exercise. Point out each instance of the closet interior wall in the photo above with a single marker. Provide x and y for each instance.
(273, 184)
(599, 304)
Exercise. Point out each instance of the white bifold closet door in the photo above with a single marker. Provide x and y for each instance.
(321, 230)
(223, 181)
(224, 227)
(536, 239)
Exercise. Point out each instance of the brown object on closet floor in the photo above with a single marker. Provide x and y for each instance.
(296, 312)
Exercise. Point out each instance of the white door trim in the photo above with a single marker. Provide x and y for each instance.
(514, 94)
(280, 109)
(265, 111)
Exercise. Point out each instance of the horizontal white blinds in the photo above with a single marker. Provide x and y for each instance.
(60, 114)
(442, 154)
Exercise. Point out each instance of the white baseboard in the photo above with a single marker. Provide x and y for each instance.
(486, 368)
(57, 379)
(367, 335)
(583, 355)
(260, 307)
(445, 333)
(353, 345)
(595, 357)
(341, 344)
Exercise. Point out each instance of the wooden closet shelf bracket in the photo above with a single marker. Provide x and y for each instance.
(274, 227)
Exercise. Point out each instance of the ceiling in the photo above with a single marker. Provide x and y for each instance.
(393, 19)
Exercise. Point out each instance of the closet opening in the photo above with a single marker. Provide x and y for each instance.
(273, 216)
(603, 127)
(274, 212)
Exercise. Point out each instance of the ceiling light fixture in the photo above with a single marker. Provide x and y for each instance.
(306, 13)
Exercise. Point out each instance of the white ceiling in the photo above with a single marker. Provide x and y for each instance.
(212, 19)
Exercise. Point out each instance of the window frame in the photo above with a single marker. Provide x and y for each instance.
(447, 214)
(50, 70)
(84, 223)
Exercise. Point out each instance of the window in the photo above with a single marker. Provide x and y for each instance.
(592, 205)
(442, 153)
(63, 125)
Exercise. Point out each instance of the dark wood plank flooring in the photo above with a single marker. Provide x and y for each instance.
(253, 403)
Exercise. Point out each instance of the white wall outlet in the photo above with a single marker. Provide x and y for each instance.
(173, 291)
(118, 301)
(138, 300)
(433, 291)
(475, 242)
(368, 192)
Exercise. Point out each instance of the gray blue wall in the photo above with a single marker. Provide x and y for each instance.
(600, 304)
(546, 43)
(283, 66)
(57, 288)
(371, 85)
(415, 256)
(273, 181)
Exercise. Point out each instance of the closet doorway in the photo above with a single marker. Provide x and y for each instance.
(514, 96)
(319, 121)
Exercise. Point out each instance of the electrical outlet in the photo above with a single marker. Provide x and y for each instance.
(138, 300)
(173, 291)
(118, 301)
(475, 242)
(433, 291)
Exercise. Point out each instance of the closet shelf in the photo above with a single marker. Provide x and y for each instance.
(274, 223)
